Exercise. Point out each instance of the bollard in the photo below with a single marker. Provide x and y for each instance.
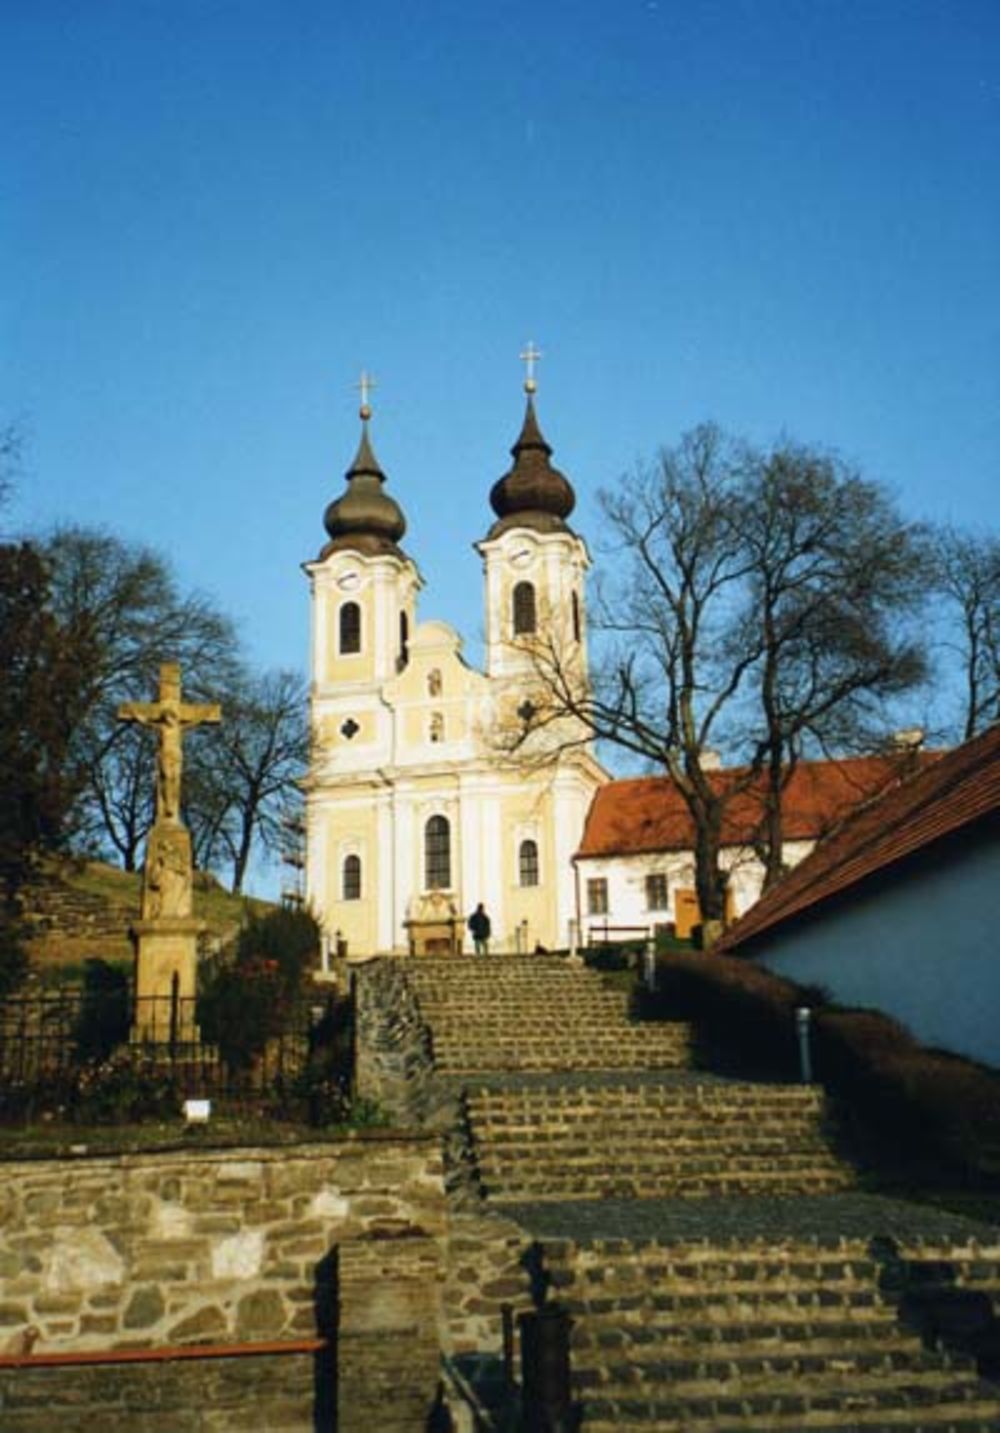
(802, 1018)
(649, 973)
(507, 1326)
(547, 1405)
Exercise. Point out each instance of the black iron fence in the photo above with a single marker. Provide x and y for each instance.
(110, 1056)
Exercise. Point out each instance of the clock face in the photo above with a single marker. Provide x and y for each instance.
(348, 582)
(521, 557)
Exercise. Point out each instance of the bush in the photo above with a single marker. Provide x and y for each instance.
(244, 1005)
(739, 1006)
(125, 1089)
(929, 1103)
(922, 1105)
(288, 938)
(103, 1021)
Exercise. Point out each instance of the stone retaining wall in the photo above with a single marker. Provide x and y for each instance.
(188, 1247)
(203, 1396)
(395, 1067)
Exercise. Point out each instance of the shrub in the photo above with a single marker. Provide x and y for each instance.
(103, 1021)
(288, 938)
(124, 1089)
(244, 1005)
(746, 1009)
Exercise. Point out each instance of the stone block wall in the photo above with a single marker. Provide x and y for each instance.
(151, 1250)
(192, 1396)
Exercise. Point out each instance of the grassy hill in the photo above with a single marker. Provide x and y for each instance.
(80, 909)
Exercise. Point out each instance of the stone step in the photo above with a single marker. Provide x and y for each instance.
(708, 1097)
(677, 1120)
(726, 1374)
(824, 1333)
(769, 1183)
(634, 1154)
(556, 1055)
(543, 1140)
(601, 1038)
(965, 1409)
(914, 1394)
(551, 1060)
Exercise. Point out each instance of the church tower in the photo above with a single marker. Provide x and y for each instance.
(363, 590)
(418, 805)
(534, 564)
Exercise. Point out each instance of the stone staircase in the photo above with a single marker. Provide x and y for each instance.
(513, 1013)
(763, 1336)
(652, 1141)
(721, 1272)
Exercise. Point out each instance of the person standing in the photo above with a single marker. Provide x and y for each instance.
(479, 925)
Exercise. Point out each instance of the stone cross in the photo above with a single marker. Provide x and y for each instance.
(171, 716)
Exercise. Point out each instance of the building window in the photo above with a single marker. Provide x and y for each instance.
(351, 883)
(527, 863)
(404, 641)
(524, 609)
(597, 896)
(350, 629)
(434, 682)
(437, 727)
(437, 853)
(656, 891)
(575, 604)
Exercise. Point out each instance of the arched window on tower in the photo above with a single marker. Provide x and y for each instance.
(437, 854)
(404, 641)
(527, 863)
(575, 603)
(351, 879)
(350, 629)
(525, 618)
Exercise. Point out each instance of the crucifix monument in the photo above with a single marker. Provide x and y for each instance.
(166, 935)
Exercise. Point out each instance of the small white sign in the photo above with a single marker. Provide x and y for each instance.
(197, 1111)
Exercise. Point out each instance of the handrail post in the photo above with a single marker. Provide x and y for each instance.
(802, 1024)
(545, 1374)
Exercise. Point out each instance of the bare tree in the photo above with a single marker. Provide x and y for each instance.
(751, 602)
(833, 573)
(125, 599)
(246, 776)
(966, 568)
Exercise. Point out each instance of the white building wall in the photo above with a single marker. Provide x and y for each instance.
(921, 945)
(626, 878)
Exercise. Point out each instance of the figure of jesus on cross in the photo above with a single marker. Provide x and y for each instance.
(170, 715)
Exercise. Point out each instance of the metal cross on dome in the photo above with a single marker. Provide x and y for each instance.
(365, 385)
(529, 358)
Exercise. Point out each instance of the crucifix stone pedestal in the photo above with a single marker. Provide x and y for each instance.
(165, 937)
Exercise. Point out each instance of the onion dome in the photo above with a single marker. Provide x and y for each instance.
(533, 494)
(364, 519)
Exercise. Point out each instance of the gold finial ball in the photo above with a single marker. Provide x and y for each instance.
(530, 386)
(365, 412)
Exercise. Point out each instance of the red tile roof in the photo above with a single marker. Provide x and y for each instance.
(649, 814)
(961, 787)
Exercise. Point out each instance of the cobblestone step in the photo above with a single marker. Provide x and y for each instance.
(961, 1407)
(736, 1337)
(772, 1372)
(766, 1336)
(770, 1183)
(549, 1057)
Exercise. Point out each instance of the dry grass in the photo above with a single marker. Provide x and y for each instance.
(64, 953)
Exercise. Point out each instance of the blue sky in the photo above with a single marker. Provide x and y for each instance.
(784, 216)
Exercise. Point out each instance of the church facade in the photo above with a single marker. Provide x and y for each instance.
(427, 792)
